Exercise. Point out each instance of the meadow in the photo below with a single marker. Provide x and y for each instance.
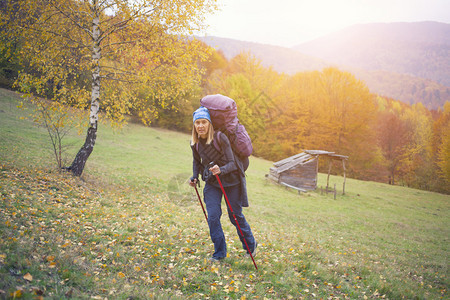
(131, 227)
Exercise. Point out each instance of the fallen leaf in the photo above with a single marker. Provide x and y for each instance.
(16, 294)
(37, 291)
(28, 277)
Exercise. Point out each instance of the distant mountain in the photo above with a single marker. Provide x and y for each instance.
(419, 49)
(283, 60)
(409, 62)
(406, 88)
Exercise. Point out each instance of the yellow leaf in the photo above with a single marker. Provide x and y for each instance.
(121, 275)
(16, 294)
(28, 277)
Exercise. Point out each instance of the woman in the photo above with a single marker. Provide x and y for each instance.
(211, 158)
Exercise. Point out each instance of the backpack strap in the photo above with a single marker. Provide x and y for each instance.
(241, 162)
(216, 141)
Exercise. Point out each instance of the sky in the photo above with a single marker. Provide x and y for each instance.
(290, 22)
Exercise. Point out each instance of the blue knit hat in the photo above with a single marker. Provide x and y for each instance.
(201, 113)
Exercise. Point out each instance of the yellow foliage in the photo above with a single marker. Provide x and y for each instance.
(443, 148)
(139, 59)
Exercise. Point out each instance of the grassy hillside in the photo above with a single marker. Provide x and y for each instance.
(130, 228)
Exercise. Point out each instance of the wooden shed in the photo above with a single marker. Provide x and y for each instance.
(300, 171)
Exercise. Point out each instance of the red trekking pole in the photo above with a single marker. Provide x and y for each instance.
(234, 216)
(200, 200)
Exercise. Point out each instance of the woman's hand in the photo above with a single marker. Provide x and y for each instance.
(215, 170)
(193, 182)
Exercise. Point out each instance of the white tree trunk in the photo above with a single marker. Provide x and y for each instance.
(96, 55)
(83, 154)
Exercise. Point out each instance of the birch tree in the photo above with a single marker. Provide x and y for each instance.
(112, 56)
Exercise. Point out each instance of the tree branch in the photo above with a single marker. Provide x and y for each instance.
(72, 19)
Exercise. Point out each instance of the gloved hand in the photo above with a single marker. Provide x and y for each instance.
(207, 175)
(193, 181)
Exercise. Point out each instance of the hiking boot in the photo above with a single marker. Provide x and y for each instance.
(254, 251)
(215, 259)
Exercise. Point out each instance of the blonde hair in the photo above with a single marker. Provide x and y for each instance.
(194, 138)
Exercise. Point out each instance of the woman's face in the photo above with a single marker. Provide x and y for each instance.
(202, 127)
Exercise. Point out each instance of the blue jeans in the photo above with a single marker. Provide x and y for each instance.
(213, 199)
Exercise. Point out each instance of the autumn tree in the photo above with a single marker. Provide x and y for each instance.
(179, 117)
(351, 108)
(328, 110)
(305, 119)
(392, 138)
(441, 148)
(416, 163)
(215, 61)
(112, 56)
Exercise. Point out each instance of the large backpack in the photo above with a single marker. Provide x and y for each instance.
(223, 112)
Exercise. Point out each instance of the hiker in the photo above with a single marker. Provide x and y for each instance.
(211, 158)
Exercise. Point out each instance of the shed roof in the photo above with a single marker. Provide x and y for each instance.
(303, 158)
(290, 162)
(326, 153)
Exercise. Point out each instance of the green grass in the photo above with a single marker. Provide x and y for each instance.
(130, 227)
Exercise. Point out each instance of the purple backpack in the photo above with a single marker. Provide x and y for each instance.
(223, 112)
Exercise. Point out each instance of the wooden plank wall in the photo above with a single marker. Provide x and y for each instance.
(302, 176)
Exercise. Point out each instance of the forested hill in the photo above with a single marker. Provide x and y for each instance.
(409, 62)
